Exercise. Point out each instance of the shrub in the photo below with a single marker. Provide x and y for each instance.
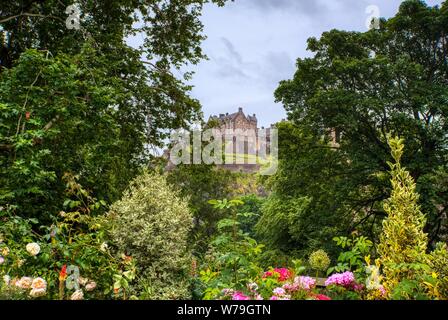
(402, 242)
(151, 223)
(71, 251)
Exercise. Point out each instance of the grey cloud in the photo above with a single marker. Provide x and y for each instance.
(230, 63)
(235, 55)
(306, 6)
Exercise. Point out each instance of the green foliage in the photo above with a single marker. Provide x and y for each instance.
(403, 241)
(306, 207)
(200, 183)
(152, 223)
(231, 261)
(353, 256)
(343, 89)
(249, 213)
(438, 260)
(75, 239)
(83, 101)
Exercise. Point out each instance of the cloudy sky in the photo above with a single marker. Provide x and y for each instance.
(253, 44)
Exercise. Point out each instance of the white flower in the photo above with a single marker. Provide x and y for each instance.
(252, 286)
(104, 247)
(35, 293)
(39, 283)
(82, 281)
(91, 286)
(7, 279)
(77, 295)
(2, 260)
(33, 248)
(24, 282)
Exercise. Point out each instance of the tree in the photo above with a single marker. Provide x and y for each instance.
(402, 240)
(151, 223)
(307, 204)
(201, 183)
(402, 88)
(84, 101)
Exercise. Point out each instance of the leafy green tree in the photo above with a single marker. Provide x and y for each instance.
(306, 207)
(362, 85)
(200, 183)
(152, 223)
(86, 102)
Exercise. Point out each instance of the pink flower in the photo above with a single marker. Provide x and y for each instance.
(322, 297)
(274, 298)
(382, 290)
(345, 279)
(279, 291)
(239, 296)
(283, 274)
(358, 286)
(306, 283)
(290, 286)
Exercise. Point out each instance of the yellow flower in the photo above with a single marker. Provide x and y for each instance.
(5, 251)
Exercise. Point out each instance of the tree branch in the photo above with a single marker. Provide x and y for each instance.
(29, 15)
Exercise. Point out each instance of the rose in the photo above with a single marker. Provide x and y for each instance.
(77, 295)
(91, 286)
(39, 283)
(39, 288)
(35, 293)
(33, 248)
(24, 282)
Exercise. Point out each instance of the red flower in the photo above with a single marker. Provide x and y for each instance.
(282, 274)
(322, 297)
(63, 273)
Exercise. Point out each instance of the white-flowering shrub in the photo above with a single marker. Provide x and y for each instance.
(152, 223)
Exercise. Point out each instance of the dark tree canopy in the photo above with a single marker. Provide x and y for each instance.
(84, 101)
(365, 86)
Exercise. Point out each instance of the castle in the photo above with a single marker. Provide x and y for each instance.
(246, 129)
(244, 144)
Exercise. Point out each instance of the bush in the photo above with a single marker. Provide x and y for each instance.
(71, 250)
(151, 223)
(402, 241)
